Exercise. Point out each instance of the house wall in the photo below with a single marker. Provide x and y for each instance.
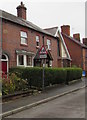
(75, 52)
(85, 59)
(11, 42)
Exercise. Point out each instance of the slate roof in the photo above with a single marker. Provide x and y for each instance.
(52, 30)
(76, 41)
(20, 21)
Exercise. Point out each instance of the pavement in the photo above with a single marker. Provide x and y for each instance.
(48, 94)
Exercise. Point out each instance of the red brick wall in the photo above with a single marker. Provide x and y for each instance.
(75, 51)
(11, 42)
(85, 59)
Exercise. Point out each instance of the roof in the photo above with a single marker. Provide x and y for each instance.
(20, 21)
(52, 30)
(76, 41)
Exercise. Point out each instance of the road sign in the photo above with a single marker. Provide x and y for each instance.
(43, 56)
(42, 50)
(43, 53)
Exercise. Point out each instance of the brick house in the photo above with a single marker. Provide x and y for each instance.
(64, 59)
(21, 41)
(77, 50)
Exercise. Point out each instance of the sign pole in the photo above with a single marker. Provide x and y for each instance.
(43, 69)
(43, 76)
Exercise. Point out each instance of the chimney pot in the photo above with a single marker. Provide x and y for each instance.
(65, 29)
(76, 36)
(85, 41)
(21, 3)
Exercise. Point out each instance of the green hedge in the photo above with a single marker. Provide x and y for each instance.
(52, 75)
(73, 74)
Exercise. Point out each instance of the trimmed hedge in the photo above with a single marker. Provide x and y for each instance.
(52, 75)
(73, 74)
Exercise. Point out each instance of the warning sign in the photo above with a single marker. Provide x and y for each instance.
(43, 52)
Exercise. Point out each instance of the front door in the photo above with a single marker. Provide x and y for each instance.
(4, 67)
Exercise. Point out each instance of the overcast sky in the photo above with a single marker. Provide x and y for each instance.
(51, 13)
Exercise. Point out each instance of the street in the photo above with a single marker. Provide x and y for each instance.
(69, 106)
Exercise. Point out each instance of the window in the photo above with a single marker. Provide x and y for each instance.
(29, 60)
(58, 43)
(37, 40)
(49, 44)
(21, 59)
(24, 60)
(23, 37)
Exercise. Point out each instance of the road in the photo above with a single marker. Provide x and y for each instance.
(68, 106)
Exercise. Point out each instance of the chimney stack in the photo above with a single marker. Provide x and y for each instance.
(21, 11)
(85, 41)
(76, 36)
(65, 29)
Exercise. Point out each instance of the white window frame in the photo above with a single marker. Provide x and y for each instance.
(48, 44)
(50, 63)
(25, 61)
(32, 62)
(37, 39)
(23, 36)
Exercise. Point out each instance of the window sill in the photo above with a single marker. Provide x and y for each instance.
(37, 47)
(49, 49)
(25, 45)
(23, 66)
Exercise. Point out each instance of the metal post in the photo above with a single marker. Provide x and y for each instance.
(43, 69)
(43, 76)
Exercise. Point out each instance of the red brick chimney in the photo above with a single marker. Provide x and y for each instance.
(65, 29)
(21, 11)
(76, 36)
(85, 41)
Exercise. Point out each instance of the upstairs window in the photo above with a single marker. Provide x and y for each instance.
(37, 41)
(23, 38)
(48, 44)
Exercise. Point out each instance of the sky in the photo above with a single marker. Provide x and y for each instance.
(52, 13)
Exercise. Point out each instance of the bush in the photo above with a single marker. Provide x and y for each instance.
(12, 83)
(73, 74)
(53, 76)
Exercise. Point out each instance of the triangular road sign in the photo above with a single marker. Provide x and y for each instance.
(42, 50)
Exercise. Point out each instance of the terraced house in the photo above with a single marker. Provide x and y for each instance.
(76, 49)
(21, 40)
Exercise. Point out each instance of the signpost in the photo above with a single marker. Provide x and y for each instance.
(43, 56)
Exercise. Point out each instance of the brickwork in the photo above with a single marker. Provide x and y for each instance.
(75, 51)
(11, 42)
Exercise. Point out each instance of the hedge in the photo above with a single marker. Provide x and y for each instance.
(52, 75)
(73, 74)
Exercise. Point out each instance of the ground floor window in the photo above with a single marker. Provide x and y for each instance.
(29, 60)
(21, 59)
(24, 60)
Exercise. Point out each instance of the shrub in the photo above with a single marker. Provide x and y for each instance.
(34, 76)
(13, 83)
(53, 76)
(73, 74)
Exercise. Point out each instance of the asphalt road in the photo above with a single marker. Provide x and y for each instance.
(69, 106)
